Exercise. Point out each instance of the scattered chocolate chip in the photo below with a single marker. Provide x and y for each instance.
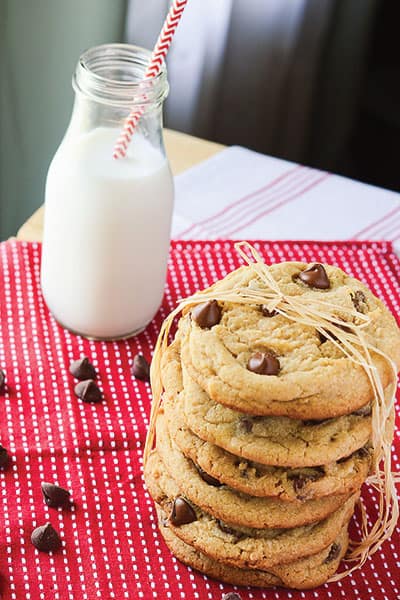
(140, 368)
(45, 538)
(207, 314)
(364, 411)
(333, 553)
(266, 312)
(82, 369)
(55, 496)
(182, 513)
(316, 277)
(4, 458)
(2, 380)
(231, 596)
(263, 363)
(245, 425)
(360, 302)
(207, 478)
(88, 391)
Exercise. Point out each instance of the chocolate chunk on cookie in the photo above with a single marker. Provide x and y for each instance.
(207, 314)
(263, 363)
(182, 513)
(315, 277)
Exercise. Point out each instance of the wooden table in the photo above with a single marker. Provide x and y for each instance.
(183, 151)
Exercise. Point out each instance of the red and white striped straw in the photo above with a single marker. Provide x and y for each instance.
(159, 53)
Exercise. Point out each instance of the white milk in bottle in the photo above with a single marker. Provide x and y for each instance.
(107, 221)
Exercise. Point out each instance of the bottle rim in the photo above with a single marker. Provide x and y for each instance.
(114, 74)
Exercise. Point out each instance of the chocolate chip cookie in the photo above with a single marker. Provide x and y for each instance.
(235, 507)
(243, 547)
(342, 477)
(278, 441)
(302, 574)
(258, 361)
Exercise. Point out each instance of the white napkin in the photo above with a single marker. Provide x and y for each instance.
(239, 193)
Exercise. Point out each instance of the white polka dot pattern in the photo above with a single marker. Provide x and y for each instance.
(111, 547)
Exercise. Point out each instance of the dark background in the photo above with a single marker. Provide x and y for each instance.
(372, 154)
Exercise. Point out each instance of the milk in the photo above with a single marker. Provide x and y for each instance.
(106, 234)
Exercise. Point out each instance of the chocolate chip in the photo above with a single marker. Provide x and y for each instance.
(342, 460)
(324, 338)
(207, 478)
(2, 380)
(299, 480)
(363, 452)
(140, 368)
(316, 277)
(360, 302)
(88, 391)
(55, 496)
(231, 596)
(312, 423)
(182, 513)
(245, 425)
(263, 363)
(333, 553)
(226, 529)
(45, 538)
(364, 411)
(229, 530)
(259, 472)
(266, 312)
(4, 458)
(82, 369)
(207, 314)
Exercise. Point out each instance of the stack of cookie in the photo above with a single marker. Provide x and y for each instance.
(264, 432)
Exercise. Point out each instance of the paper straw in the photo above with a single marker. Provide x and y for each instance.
(157, 58)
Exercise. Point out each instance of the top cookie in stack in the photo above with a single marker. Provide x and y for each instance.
(257, 361)
(264, 435)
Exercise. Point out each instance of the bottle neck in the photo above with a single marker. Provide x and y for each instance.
(114, 74)
(109, 82)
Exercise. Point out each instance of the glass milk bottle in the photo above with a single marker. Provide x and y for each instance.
(107, 221)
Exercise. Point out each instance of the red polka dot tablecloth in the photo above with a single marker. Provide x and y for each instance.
(111, 547)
